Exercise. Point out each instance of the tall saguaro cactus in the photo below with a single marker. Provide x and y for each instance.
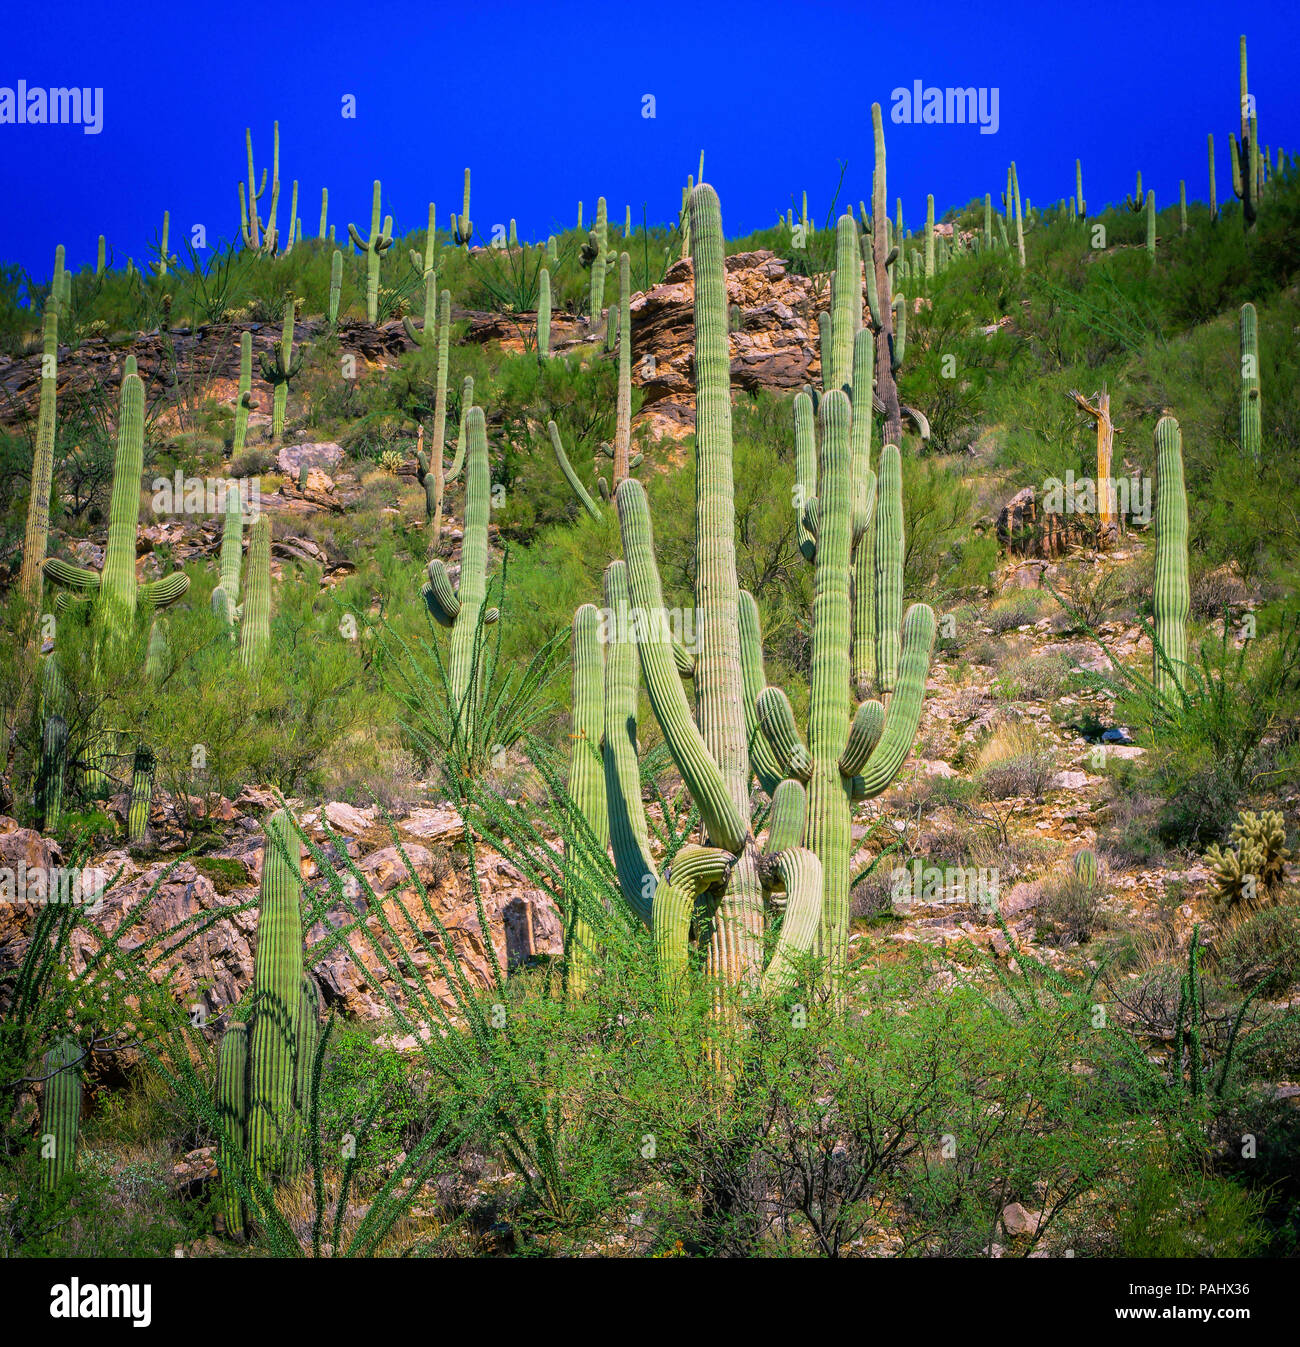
(462, 227)
(1245, 155)
(601, 242)
(880, 290)
(460, 607)
(374, 245)
(713, 754)
(277, 990)
(544, 315)
(36, 537)
(431, 471)
(425, 266)
(1171, 600)
(336, 285)
(255, 629)
(1251, 419)
(232, 1109)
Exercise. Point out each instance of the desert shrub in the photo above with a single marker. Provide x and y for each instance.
(1069, 909)
(1261, 952)
(1014, 761)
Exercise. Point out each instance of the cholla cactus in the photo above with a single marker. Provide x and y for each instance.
(1254, 866)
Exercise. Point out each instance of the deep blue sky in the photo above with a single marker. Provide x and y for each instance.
(543, 102)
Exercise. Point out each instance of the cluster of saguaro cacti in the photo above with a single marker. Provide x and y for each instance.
(265, 1058)
(431, 467)
(280, 368)
(425, 266)
(374, 245)
(60, 1111)
(462, 607)
(250, 227)
(728, 876)
(244, 401)
(849, 522)
(624, 460)
(1171, 597)
(1251, 418)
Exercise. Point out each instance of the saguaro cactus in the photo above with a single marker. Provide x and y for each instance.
(713, 755)
(462, 227)
(280, 369)
(929, 237)
(1151, 225)
(601, 242)
(244, 400)
(460, 607)
(255, 628)
(1251, 419)
(36, 537)
(431, 472)
(60, 1111)
(1245, 156)
(336, 285)
(232, 1108)
(1171, 600)
(623, 418)
(277, 990)
(116, 590)
(1214, 205)
(376, 243)
(424, 265)
(544, 315)
(1080, 205)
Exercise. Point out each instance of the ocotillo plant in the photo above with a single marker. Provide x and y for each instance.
(279, 369)
(1251, 418)
(255, 627)
(60, 1111)
(424, 265)
(336, 285)
(1171, 599)
(431, 472)
(376, 243)
(544, 315)
(462, 227)
(713, 755)
(36, 537)
(244, 400)
(461, 607)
